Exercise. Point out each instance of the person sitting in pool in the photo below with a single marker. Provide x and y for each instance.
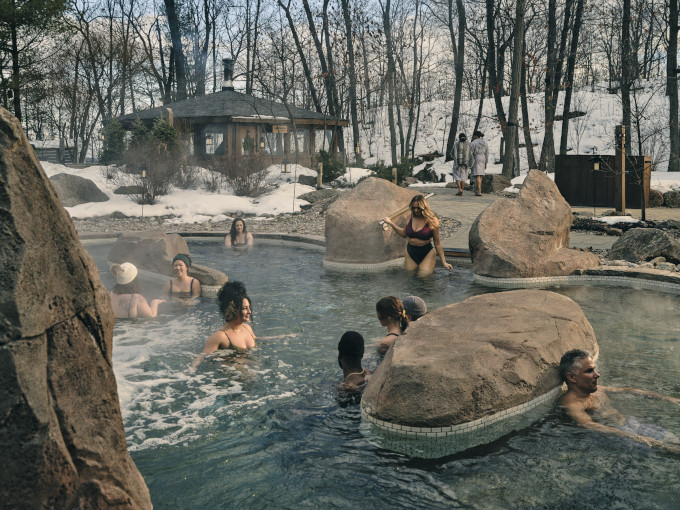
(584, 398)
(421, 227)
(238, 236)
(414, 307)
(236, 333)
(350, 353)
(182, 287)
(126, 298)
(391, 314)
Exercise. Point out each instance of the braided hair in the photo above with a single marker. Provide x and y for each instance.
(390, 307)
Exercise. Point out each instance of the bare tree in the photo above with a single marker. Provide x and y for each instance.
(672, 87)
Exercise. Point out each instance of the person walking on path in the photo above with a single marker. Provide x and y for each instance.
(480, 154)
(462, 161)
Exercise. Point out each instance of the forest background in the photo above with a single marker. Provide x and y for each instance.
(69, 66)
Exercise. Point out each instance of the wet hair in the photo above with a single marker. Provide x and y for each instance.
(570, 359)
(230, 299)
(390, 307)
(232, 231)
(430, 218)
(478, 134)
(127, 288)
(462, 137)
(351, 345)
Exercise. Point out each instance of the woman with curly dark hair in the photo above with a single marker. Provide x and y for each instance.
(391, 314)
(236, 333)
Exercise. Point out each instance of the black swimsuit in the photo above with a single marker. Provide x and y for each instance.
(183, 294)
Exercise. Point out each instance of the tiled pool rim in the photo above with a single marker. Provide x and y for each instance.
(433, 442)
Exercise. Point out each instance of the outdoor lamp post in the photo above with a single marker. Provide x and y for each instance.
(142, 172)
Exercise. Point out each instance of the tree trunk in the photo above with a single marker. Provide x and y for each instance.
(626, 71)
(510, 165)
(352, 79)
(16, 84)
(387, 27)
(176, 38)
(672, 87)
(459, 50)
(547, 163)
(571, 64)
(531, 159)
(494, 85)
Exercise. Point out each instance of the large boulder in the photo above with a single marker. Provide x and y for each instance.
(493, 183)
(154, 250)
(74, 190)
(445, 371)
(671, 198)
(151, 250)
(62, 432)
(353, 232)
(655, 198)
(527, 236)
(643, 244)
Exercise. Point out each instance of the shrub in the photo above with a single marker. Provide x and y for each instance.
(159, 152)
(114, 143)
(404, 170)
(332, 166)
(246, 175)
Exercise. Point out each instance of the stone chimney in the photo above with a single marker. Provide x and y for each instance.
(228, 64)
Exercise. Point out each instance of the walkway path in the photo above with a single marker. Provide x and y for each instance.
(466, 209)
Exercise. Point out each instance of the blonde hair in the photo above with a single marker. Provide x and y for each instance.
(428, 214)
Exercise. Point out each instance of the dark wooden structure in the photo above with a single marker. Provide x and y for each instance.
(229, 123)
(580, 184)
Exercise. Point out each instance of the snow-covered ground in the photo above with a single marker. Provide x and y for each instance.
(591, 133)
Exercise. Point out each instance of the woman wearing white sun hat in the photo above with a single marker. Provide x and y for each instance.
(126, 298)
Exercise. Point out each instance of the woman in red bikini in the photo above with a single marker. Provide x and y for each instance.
(422, 226)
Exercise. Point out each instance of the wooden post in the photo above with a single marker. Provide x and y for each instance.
(394, 175)
(620, 177)
(319, 177)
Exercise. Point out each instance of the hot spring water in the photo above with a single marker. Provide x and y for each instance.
(265, 429)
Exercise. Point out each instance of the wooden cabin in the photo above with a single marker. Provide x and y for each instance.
(231, 123)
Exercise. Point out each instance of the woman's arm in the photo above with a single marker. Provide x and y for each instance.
(439, 248)
(385, 344)
(166, 289)
(143, 308)
(249, 239)
(196, 289)
(399, 230)
(227, 241)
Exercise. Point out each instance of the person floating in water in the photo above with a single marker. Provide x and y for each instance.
(238, 236)
(391, 314)
(414, 307)
(584, 397)
(421, 227)
(182, 287)
(350, 353)
(126, 297)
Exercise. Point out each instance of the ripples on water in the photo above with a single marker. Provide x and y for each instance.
(266, 430)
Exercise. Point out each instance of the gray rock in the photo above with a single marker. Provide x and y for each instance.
(62, 432)
(493, 183)
(129, 190)
(320, 194)
(642, 244)
(478, 357)
(658, 260)
(671, 198)
(527, 236)
(307, 180)
(150, 250)
(655, 198)
(353, 232)
(666, 266)
(74, 190)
